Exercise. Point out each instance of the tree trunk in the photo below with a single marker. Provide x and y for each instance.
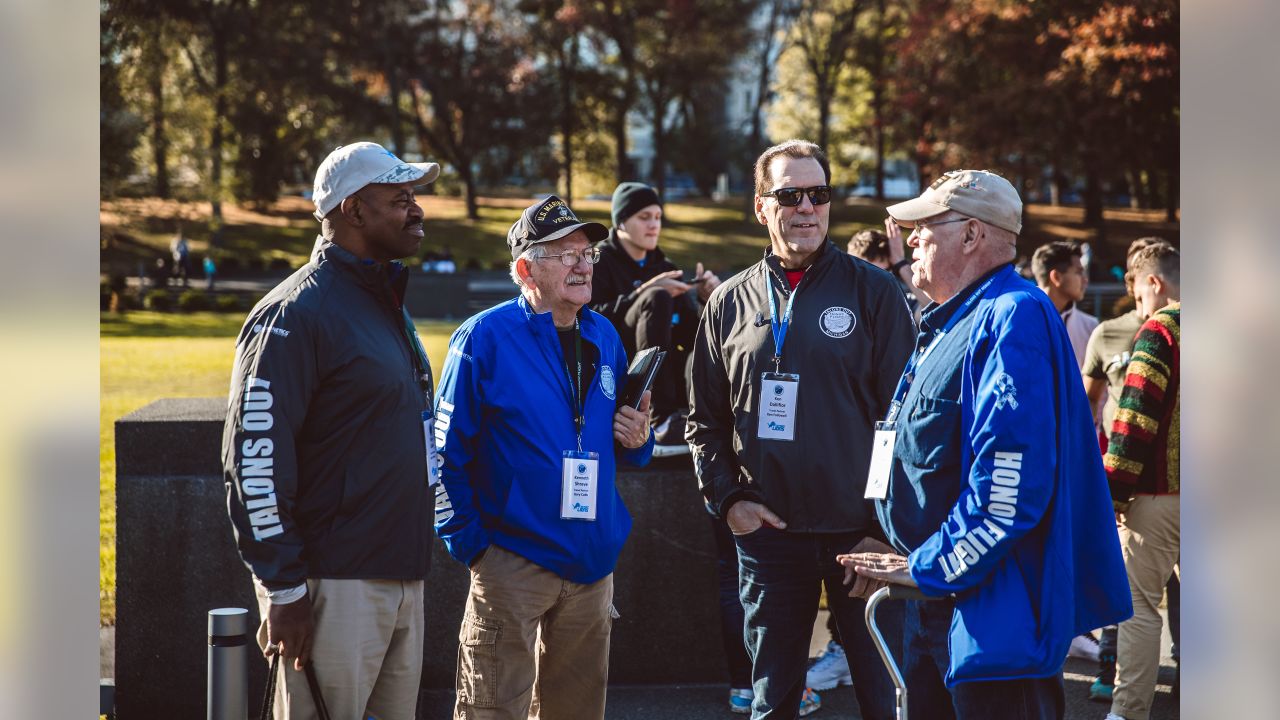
(159, 135)
(216, 138)
(877, 108)
(1134, 181)
(824, 119)
(1093, 199)
(393, 118)
(622, 166)
(621, 163)
(659, 169)
(920, 154)
(1171, 195)
(568, 60)
(469, 189)
(757, 121)
(877, 98)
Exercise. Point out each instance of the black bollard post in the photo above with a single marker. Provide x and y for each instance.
(228, 691)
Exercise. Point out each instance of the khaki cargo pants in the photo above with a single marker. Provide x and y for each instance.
(532, 644)
(367, 650)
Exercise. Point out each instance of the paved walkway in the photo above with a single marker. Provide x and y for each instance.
(709, 702)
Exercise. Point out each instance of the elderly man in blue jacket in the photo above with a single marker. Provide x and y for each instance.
(989, 485)
(528, 423)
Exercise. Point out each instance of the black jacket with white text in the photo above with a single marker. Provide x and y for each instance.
(323, 449)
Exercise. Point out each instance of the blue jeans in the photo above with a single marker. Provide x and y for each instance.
(927, 625)
(781, 576)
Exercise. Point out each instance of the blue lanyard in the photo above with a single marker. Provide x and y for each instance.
(909, 372)
(779, 327)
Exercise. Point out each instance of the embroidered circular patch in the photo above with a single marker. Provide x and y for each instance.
(607, 383)
(837, 322)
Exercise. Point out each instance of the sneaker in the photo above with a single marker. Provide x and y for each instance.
(831, 669)
(1113, 716)
(1085, 647)
(1101, 692)
(740, 700)
(1104, 684)
(809, 702)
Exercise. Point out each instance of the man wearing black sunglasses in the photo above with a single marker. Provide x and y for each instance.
(795, 359)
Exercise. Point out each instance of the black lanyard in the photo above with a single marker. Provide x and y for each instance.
(577, 402)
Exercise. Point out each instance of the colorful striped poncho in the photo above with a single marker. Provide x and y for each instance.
(1142, 457)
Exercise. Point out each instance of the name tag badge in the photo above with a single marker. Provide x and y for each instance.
(578, 484)
(777, 414)
(433, 457)
(881, 461)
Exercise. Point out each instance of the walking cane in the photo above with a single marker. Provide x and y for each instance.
(891, 592)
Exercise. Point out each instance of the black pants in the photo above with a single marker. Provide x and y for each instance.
(925, 643)
(782, 574)
(656, 319)
(733, 618)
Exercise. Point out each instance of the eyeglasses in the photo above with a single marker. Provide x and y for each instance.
(791, 196)
(571, 258)
(922, 225)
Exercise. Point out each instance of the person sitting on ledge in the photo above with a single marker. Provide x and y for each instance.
(641, 292)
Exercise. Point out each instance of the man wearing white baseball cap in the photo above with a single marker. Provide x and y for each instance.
(327, 455)
(992, 493)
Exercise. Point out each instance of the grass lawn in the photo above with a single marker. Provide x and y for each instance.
(147, 356)
(714, 233)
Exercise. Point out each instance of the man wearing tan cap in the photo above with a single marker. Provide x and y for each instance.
(989, 486)
(328, 469)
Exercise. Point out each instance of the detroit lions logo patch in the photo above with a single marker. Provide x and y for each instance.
(607, 383)
(1006, 392)
(837, 322)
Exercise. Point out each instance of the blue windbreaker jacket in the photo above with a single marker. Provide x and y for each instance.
(1030, 548)
(503, 422)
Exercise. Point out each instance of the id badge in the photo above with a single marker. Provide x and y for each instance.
(881, 461)
(433, 456)
(777, 414)
(578, 485)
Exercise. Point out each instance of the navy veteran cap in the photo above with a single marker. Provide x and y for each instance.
(546, 220)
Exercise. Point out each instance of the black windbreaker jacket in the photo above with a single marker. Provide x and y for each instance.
(323, 449)
(616, 277)
(850, 336)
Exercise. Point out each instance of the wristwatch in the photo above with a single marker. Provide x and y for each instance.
(897, 267)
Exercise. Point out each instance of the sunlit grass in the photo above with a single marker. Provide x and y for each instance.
(722, 235)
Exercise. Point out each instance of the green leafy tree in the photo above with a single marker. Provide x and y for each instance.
(474, 86)
(118, 125)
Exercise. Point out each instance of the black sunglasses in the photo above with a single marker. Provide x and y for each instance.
(791, 197)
